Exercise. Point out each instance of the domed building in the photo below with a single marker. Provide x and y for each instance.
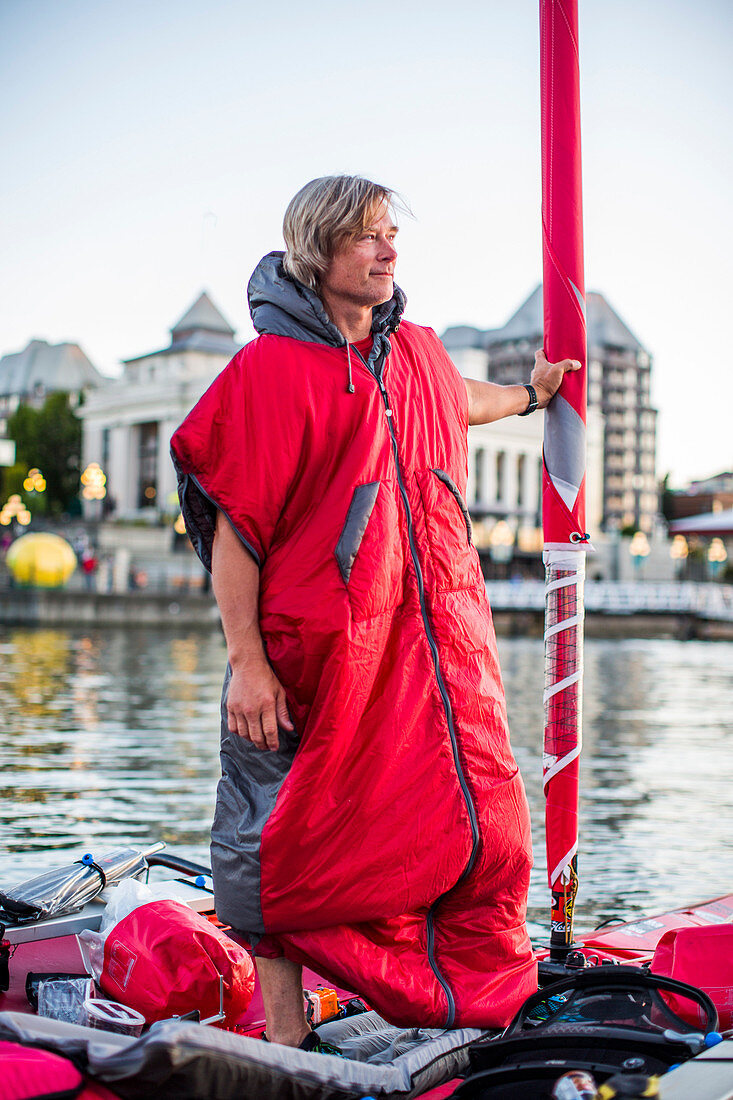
(128, 423)
(41, 368)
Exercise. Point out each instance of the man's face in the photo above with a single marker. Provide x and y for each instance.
(361, 271)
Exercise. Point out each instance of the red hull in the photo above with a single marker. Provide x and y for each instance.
(635, 941)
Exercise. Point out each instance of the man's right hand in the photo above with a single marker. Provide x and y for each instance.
(256, 704)
(255, 699)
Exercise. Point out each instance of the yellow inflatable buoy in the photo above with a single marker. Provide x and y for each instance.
(41, 560)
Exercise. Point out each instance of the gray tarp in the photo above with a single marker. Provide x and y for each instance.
(183, 1061)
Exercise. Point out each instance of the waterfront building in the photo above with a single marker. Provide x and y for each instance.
(128, 423)
(619, 403)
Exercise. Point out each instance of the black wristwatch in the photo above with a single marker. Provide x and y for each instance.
(533, 402)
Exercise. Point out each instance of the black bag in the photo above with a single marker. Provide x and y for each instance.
(604, 1020)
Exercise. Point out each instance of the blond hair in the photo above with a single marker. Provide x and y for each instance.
(324, 214)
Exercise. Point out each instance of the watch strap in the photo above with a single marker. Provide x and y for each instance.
(533, 402)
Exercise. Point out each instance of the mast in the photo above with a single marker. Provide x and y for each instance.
(563, 490)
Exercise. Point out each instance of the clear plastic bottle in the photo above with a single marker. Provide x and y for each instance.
(576, 1085)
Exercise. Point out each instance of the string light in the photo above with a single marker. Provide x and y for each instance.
(94, 481)
(35, 482)
(14, 509)
(639, 547)
(679, 549)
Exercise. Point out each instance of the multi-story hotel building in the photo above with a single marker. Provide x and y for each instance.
(619, 372)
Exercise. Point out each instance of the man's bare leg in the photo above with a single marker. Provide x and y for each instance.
(281, 983)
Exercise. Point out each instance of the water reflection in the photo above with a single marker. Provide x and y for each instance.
(113, 736)
(107, 736)
(657, 770)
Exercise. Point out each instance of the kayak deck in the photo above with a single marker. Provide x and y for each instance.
(50, 946)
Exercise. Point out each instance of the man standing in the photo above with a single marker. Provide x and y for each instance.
(371, 821)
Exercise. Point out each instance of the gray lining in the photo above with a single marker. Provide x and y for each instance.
(453, 488)
(250, 782)
(199, 514)
(357, 518)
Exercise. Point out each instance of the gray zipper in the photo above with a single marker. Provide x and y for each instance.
(377, 372)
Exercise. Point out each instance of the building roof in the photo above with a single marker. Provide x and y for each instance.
(710, 524)
(47, 368)
(202, 327)
(466, 336)
(526, 324)
(202, 316)
(717, 483)
(605, 327)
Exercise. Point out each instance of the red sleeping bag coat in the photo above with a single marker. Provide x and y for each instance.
(387, 843)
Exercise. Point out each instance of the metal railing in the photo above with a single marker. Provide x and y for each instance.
(706, 601)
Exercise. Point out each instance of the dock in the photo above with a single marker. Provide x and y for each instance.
(613, 609)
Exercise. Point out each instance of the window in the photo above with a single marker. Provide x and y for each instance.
(478, 475)
(147, 465)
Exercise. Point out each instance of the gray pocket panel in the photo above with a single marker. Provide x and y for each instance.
(357, 518)
(453, 488)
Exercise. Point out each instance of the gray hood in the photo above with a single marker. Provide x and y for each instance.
(281, 306)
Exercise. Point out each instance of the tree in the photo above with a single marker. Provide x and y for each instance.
(11, 480)
(50, 438)
(667, 496)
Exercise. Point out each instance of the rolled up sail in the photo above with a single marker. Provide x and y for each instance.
(563, 496)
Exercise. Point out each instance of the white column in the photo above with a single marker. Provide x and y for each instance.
(473, 446)
(91, 444)
(91, 451)
(531, 487)
(510, 483)
(490, 476)
(123, 467)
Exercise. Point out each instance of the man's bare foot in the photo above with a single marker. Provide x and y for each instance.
(287, 1038)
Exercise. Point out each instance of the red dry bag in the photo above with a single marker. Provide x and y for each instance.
(702, 957)
(165, 960)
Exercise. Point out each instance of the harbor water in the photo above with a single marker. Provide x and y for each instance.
(112, 736)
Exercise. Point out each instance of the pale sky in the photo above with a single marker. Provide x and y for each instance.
(150, 149)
